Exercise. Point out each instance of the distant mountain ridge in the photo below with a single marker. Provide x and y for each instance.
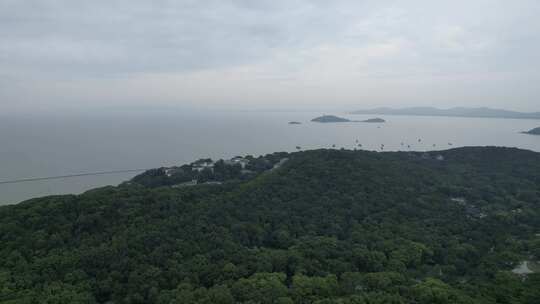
(453, 112)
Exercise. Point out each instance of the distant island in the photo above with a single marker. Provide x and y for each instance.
(374, 120)
(453, 112)
(295, 123)
(332, 118)
(535, 131)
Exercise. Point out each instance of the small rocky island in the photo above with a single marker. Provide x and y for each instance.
(330, 118)
(295, 123)
(535, 131)
(374, 120)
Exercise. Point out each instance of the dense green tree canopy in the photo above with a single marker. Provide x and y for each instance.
(326, 226)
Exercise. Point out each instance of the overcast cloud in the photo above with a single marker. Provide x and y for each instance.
(269, 54)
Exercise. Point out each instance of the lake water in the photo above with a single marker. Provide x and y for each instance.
(39, 146)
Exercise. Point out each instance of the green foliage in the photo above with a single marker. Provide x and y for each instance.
(264, 288)
(326, 227)
(433, 291)
(308, 289)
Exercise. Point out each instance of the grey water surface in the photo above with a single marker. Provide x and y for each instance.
(55, 145)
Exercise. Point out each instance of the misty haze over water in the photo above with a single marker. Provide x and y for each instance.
(59, 145)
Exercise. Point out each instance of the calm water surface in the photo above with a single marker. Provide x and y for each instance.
(60, 145)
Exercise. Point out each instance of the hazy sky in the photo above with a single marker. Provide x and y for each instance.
(274, 54)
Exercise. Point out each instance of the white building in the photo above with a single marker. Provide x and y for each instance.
(202, 165)
(237, 161)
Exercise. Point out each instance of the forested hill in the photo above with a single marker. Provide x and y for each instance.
(328, 226)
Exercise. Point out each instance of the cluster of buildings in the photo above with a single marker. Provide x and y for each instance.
(204, 164)
(199, 166)
(237, 161)
(209, 164)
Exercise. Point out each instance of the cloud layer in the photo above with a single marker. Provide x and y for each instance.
(294, 53)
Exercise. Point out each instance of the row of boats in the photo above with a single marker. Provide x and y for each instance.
(382, 145)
